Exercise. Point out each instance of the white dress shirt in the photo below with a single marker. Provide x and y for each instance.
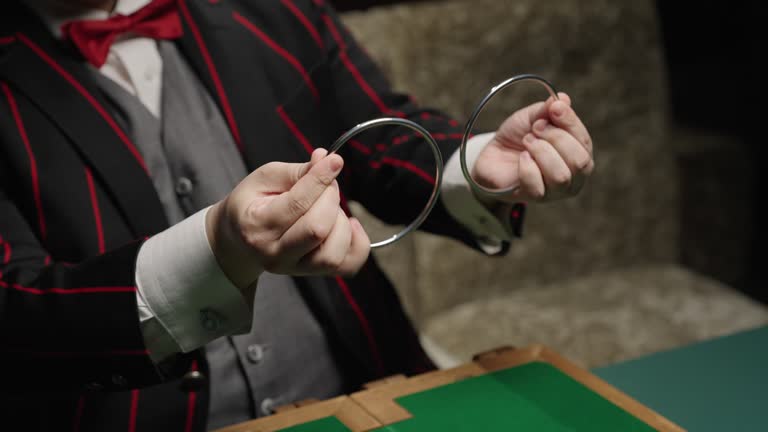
(184, 298)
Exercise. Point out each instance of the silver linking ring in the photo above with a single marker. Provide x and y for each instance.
(384, 121)
(482, 190)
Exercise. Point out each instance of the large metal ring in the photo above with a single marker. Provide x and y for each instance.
(482, 190)
(384, 121)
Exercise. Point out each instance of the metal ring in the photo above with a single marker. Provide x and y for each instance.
(438, 167)
(471, 123)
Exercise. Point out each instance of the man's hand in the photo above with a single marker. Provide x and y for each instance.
(285, 218)
(543, 148)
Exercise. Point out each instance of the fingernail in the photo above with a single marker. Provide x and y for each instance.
(540, 125)
(528, 139)
(557, 109)
(336, 163)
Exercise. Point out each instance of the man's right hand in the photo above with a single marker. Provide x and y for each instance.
(285, 218)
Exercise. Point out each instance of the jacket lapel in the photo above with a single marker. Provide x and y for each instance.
(231, 64)
(44, 70)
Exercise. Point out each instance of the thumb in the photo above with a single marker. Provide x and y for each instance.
(317, 155)
(279, 177)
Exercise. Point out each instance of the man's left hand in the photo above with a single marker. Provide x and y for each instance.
(544, 149)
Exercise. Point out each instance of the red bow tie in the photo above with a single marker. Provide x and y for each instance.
(157, 20)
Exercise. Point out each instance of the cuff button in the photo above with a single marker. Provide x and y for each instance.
(192, 381)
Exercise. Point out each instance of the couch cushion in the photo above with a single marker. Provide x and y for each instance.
(596, 320)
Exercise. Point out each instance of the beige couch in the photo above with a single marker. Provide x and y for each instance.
(595, 277)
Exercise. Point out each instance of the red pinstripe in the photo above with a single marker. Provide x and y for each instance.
(357, 145)
(334, 32)
(83, 290)
(403, 164)
(392, 161)
(280, 51)
(78, 414)
(32, 163)
(428, 116)
(437, 136)
(7, 251)
(96, 211)
(91, 100)
(213, 72)
(304, 21)
(134, 410)
(7, 39)
(355, 72)
(363, 322)
(191, 399)
(295, 130)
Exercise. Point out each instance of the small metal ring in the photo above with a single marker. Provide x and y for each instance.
(438, 167)
(482, 190)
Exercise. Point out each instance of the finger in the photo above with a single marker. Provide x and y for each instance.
(531, 180)
(293, 204)
(359, 249)
(279, 177)
(540, 110)
(573, 153)
(317, 155)
(312, 229)
(563, 96)
(554, 170)
(563, 116)
(328, 257)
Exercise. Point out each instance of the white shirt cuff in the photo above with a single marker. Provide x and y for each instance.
(490, 229)
(184, 298)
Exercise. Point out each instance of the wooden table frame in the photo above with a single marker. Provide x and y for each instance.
(343, 408)
(375, 406)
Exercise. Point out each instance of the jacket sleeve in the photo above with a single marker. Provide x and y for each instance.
(390, 169)
(64, 326)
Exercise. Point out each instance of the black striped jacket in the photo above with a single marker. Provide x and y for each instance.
(76, 203)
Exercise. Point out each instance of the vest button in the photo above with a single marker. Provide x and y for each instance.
(119, 380)
(184, 186)
(192, 381)
(267, 407)
(255, 353)
(94, 386)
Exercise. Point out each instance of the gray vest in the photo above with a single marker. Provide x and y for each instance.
(193, 161)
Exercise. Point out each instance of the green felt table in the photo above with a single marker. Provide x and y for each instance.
(718, 385)
(327, 424)
(523, 398)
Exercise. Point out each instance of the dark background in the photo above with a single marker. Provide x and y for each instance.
(711, 51)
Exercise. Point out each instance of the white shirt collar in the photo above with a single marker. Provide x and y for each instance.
(54, 20)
